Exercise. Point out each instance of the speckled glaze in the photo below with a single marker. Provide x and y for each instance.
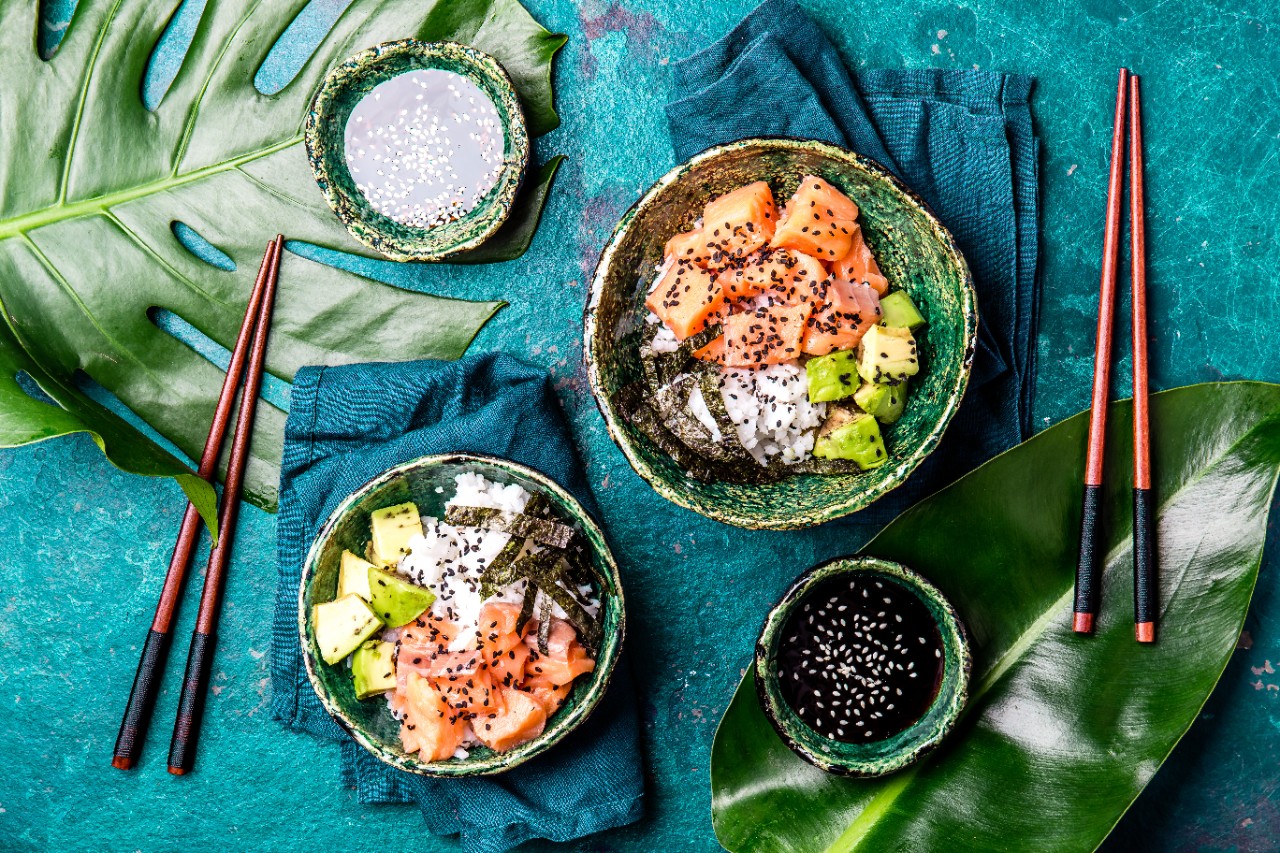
(368, 721)
(325, 125)
(879, 757)
(913, 250)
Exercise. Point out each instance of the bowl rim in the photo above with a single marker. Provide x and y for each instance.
(837, 509)
(559, 725)
(424, 246)
(918, 739)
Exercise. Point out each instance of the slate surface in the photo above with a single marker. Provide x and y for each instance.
(84, 547)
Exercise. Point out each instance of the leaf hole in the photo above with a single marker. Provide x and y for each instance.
(297, 44)
(197, 245)
(32, 388)
(90, 387)
(52, 19)
(169, 52)
(274, 389)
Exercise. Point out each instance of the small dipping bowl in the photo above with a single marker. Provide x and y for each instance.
(419, 148)
(859, 608)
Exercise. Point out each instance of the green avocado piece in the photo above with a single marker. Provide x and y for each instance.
(897, 309)
(833, 376)
(392, 528)
(341, 625)
(883, 402)
(887, 355)
(395, 600)
(373, 668)
(857, 439)
(353, 576)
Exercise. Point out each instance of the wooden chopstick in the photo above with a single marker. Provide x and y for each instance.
(1087, 569)
(1145, 586)
(200, 657)
(146, 683)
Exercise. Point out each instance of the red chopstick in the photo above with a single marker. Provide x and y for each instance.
(186, 728)
(1145, 586)
(1087, 569)
(146, 683)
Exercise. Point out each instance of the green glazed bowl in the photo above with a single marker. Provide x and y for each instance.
(913, 250)
(877, 758)
(325, 130)
(369, 722)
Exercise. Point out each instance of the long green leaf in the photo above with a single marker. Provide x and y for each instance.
(91, 184)
(1061, 732)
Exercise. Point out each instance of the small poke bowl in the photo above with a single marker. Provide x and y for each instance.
(390, 226)
(915, 254)
(428, 482)
(862, 667)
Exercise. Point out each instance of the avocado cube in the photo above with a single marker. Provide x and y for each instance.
(395, 600)
(341, 625)
(393, 527)
(887, 355)
(897, 309)
(883, 402)
(833, 376)
(858, 439)
(353, 576)
(373, 668)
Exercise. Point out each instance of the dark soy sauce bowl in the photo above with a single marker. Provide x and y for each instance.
(873, 757)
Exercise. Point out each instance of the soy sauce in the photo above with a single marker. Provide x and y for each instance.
(860, 659)
(425, 146)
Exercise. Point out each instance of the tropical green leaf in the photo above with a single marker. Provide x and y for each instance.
(92, 185)
(1061, 732)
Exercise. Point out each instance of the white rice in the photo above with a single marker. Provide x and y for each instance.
(698, 407)
(770, 408)
(450, 560)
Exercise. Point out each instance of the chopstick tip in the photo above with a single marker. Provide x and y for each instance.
(177, 771)
(122, 762)
(1082, 623)
(1145, 632)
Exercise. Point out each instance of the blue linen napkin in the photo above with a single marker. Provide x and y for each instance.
(346, 425)
(963, 140)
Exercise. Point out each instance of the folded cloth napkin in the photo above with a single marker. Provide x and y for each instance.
(346, 425)
(963, 140)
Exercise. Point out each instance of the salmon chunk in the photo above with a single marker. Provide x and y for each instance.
(765, 335)
(738, 223)
(842, 318)
(686, 298)
(521, 719)
(858, 264)
(818, 220)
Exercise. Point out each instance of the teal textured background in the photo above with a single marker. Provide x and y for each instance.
(84, 547)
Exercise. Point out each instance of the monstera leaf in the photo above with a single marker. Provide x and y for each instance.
(1061, 732)
(96, 188)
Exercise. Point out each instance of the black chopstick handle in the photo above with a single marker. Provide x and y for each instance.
(182, 750)
(1087, 568)
(137, 714)
(1146, 593)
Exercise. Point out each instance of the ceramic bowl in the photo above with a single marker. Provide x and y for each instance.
(913, 250)
(325, 128)
(369, 722)
(876, 758)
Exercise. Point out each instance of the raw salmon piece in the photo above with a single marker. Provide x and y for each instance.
(738, 223)
(842, 319)
(689, 246)
(686, 298)
(859, 264)
(507, 667)
(521, 719)
(713, 351)
(500, 617)
(818, 220)
(468, 694)
(765, 335)
(430, 727)
(443, 665)
(551, 698)
(796, 277)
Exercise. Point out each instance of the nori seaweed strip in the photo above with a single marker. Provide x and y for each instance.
(544, 531)
(498, 572)
(544, 623)
(631, 403)
(544, 570)
(526, 606)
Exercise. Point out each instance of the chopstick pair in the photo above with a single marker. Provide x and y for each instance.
(1088, 570)
(251, 345)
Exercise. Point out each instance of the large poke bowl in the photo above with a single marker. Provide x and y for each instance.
(427, 482)
(915, 253)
